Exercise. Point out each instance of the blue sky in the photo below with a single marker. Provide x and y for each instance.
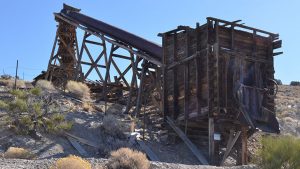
(27, 27)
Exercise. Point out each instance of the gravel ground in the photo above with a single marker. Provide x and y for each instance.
(97, 163)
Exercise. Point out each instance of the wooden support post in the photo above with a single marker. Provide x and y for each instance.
(139, 99)
(134, 65)
(164, 80)
(198, 72)
(244, 146)
(51, 56)
(211, 142)
(188, 142)
(16, 77)
(186, 83)
(231, 142)
(175, 86)
(79, 68)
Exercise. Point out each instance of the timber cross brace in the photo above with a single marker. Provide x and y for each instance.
(213, 84)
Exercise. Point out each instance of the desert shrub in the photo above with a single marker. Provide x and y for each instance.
(56, 123)
(45, 85)
(36, 91)
(278, 81)
(87, 106)
(15, 152)
(18, 106)
(11, 83)
(295, 83)
(3, 105)
(125, 158)
(28, 113)
(279, 152)
(113, 126)
(5, 76)
(71, 162)
(78, 89)
(19, 93)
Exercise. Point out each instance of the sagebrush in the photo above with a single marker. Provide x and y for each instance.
(279, 153)
(71, 162)
(125, 158)
(29, 112)
(78, 89)
(20, 153)
(45, 85)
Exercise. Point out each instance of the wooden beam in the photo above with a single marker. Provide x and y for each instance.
(244, 138)
(231, 142)
(186, 82)
(134, 65)
(182, 61)
(211, 141)
(139, 97)
(78, 147)
(92, 42)
(119, 72)
(175, 83)
(121, 56)
(190, 145)
(51, 56)
(147, 150)
(82, 140)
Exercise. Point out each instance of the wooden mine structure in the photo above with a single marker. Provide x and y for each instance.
(214, 84)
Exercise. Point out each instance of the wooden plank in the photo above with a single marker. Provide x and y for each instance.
(175, 83)
(211, 142)
(190, 145)
(82, 140)
(186, 82)
(230, 144)
(92, 42)
(140, 91)
(148, 151)
(244, 138)
(164, 78)
(78, 147)
(122, 56)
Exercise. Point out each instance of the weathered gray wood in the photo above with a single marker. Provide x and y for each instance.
(231, 142)
(78, 147)
(140, 91)
(82, 140)
(187, 141)
(211, 142)
(148, 151)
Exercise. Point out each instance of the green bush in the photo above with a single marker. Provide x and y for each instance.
(3, 105)
(19, 94)
(30, 112)
(18, 106)
(36, 91)
(279, 153)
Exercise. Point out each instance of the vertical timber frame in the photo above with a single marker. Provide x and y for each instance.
(108, 53)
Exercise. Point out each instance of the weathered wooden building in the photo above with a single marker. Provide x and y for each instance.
(219, 78)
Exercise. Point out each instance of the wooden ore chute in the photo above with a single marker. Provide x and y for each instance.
(218, 82)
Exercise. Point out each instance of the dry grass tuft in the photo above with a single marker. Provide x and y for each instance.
(126, 158)
(15, 152)
(78, 89)
(71, 162)
(87, 106)
(45, 85)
